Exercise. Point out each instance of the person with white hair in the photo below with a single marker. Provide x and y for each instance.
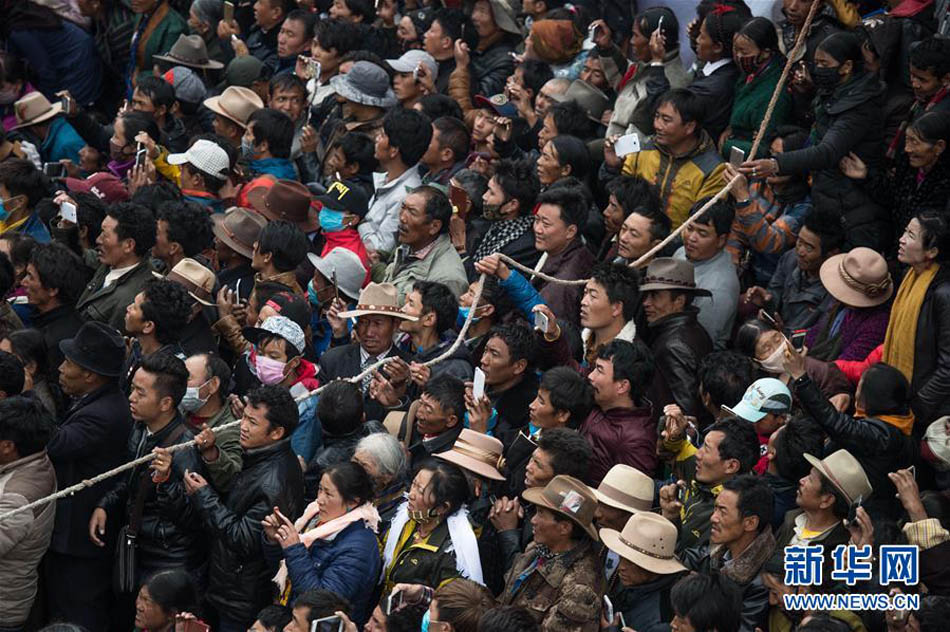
(387, 463)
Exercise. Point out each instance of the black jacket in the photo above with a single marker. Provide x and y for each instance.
(239, 279)
(850, 119)
(878, 446)
(512, 408)
(238, 575)
(716, 92)
(342, 362)
(930, 384)
(170, 535)
(90, 440)
(492, 67)
(57, 324)
(679, 343)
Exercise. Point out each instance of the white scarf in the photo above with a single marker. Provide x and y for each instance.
(464, 543)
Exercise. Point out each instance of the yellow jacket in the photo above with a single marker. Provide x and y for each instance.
(681, 180)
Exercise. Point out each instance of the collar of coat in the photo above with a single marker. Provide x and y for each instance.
(628, 333)
(555, 570)
(744, 568)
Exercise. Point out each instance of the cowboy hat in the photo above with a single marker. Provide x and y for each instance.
(195, 278)
(569, 497)
(666, 273)
(478, 453)
(844, 472)
(626, 488)
(235, 104)
(288, 200)
(858, 278)
(239, 228)
(381, 299)
(648, 540)
(34, 108)
(190, 50)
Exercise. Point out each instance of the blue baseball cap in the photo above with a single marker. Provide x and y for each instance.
(764, 396)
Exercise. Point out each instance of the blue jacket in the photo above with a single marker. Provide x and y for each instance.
(307, 439)
(348, 565)
(62, 141)
(522, 293)
(35, 228)
(280, 168)
(63, 58)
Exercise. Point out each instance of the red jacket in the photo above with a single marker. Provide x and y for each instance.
(853, 369)
(620, 435)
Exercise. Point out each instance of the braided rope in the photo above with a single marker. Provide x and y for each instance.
(799, 43)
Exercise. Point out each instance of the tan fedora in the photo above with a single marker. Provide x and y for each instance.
(858, 278)
(569, 497)
(667, 273)
(34, 108)
(845, 473)
(381, 299)
(197, 279)
(648, 540)
(626, 488)
(190, 50)
(478, 453)
(235, 104)
(239, 228)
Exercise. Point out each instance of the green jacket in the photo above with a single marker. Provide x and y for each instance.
(107, 304)
(230, 459)
(160, 40)
(748, 109)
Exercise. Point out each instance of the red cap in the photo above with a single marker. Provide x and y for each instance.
(105, 186)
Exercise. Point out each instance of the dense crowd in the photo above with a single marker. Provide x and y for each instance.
(426, 315)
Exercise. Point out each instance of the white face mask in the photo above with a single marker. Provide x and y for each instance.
(775, 362)
(192, 401)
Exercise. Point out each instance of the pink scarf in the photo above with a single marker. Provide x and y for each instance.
(365, 512)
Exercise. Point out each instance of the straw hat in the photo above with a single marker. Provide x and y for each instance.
(648, 540)
(858, 278)
(478, 453)
(626, 488)
(845, 473)
(34, 108)
(569, 497)
(235, 104)
(378, 298)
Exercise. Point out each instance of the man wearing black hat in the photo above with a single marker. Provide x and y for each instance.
(90, 440)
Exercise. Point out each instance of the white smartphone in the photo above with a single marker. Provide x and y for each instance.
(736, 157)
(67, 211)
(626, 145)
(608, 610)
(541, 321)
(478, 385)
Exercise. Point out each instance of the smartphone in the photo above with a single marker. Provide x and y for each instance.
(228, 15)
(140, 154)
(623, 623)
(608, 610)
(336, 286)
(853, 510)
(460, 200)
(913, 471)
(193, 625)
(415, 74)
(54, 169)
(798, 339)
(478, 384)
(736, 157)
(592, 34)
(67, 211)
(767, 317)
(541, 321)
(659, 24)
(681, 494)
(327, 624)
(64, 102)
(393, 602)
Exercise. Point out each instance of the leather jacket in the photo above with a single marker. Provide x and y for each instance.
(679, 343)
(930, 383)
(239, 575)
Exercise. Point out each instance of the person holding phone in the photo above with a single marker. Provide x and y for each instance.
(333, 544)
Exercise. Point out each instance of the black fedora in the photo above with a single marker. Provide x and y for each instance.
(97, 348)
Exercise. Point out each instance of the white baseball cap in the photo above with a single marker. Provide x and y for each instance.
(205, 156)
(411, 59)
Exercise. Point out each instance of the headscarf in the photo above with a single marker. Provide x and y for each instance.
(555, 41)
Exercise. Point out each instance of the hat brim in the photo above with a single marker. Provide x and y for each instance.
(68, 347)
(332, 203)
(217, 227)
(468, 463)
(503, 19)
(610, 502)
(611, 539)
(356, 313)
(745, 412)
(350, 93)
(508, 110)
(698, 291)
(258, 199)
(818, 465)
(78, 185)
(399, 65)
(159, 275)
(212, 103)
(55, 108)
(209, 65)
(535, 496)
(831, 279)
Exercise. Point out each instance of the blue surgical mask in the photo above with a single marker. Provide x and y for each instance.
(4, 213)
(312, 294)
(425, 622)
(463, 314)
(247, 149)
(331, 221)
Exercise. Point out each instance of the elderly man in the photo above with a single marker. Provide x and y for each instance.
(386, 462)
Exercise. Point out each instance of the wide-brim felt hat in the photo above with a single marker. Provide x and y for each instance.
(858, 278)
(34, 108)
(381, 299)
(287, 200)
(569, 497)
(843, 471)
(648, 540)
(190, 50)
(478, 453)
(239, 228)
(667, 273)
(96, 347)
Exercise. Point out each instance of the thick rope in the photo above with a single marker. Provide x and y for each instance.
(799, 43)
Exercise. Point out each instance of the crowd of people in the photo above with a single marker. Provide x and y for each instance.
(410, 280)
